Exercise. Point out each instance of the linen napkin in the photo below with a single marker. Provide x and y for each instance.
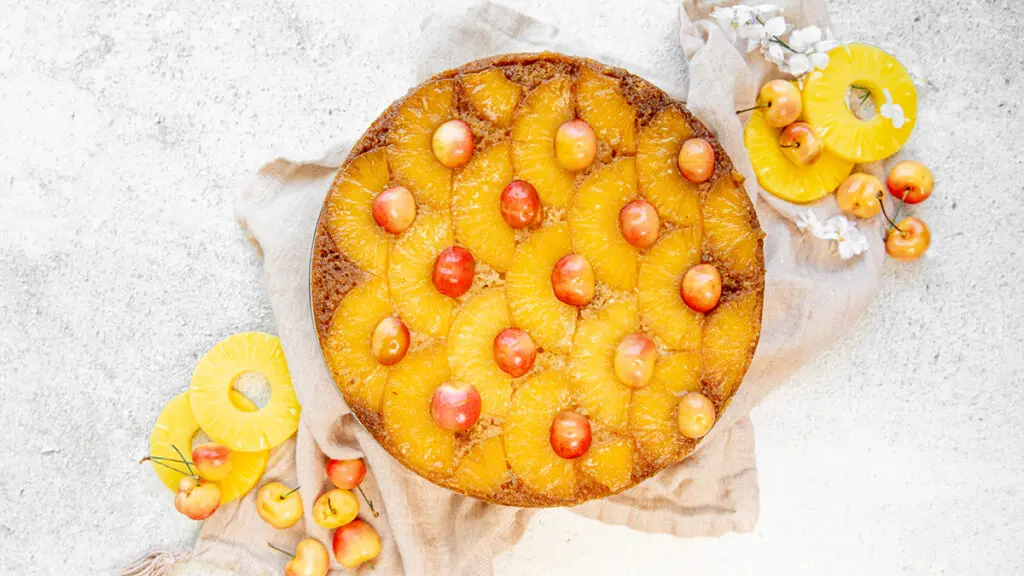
(811, 298)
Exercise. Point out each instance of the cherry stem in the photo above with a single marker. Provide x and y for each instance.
(183, 459)
(290, 492)
(881, 202)
(285, 552)
(167, 459)
(368, 501)
(755, 107)
(169, 467)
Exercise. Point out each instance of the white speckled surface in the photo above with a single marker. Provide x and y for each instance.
(127, 126)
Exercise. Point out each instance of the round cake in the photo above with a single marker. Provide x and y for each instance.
(537, 280)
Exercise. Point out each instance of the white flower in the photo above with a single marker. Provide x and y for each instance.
(809, 222)
(820, 60)
(811, 50)
(760, 36)
(804, 39)
(775, 55)
(797, 64)
(892, 111)
(849, 240)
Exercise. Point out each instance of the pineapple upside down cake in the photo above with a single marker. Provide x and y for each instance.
(537, 280)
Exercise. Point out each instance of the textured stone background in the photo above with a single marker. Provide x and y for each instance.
(126, 128)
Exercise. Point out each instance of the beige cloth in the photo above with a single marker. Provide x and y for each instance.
(811, 298)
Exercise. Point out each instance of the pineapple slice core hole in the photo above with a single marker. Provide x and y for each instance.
(198, 438)
(862, 101)
(253, 386)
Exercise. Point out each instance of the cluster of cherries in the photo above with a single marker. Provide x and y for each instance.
(456, 407)
(909, 182)
(355, 541)
(860, 194)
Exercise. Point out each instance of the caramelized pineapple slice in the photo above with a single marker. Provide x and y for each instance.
(422, 444)
(610, 463)
(730, 337)
(492, 95)
(661, 275)
(602, 105)
(536, 122)
(347, 346)
(729, 231)
(349, 211)
(657, 167)
(412, 131)
(471, 350)
(594, 223)
(476, 207)
(600, 392)
(652, 415)
(528, 436)
(677, 373)
(484, 469)
(410, 275)
(531, 298)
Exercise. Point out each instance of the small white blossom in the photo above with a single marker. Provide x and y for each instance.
(760, 36)
(892, 111)
(776, 55)
(797, 64)
(804, 39)
(809, 222)
(849, 240)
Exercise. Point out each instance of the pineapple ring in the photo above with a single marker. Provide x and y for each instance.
(176, 426)
(842, 132)
(211, 386)
(778, 175)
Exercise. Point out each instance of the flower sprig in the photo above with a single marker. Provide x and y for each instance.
(794, 51)
(849, 240)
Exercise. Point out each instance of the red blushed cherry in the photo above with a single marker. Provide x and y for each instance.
(639, 223)
(394, 209)
(570, 435)
(573, 280)
(909, 240)
(514, 351)
(575, 145)
(390, 341)
(634, 360)
(346, 474)
(453, 271)
(910, 181)
(800, 143)
(453, 143)
(520, 204)
(696, 415)
(701, 287)
(455, 408)
(696, 160)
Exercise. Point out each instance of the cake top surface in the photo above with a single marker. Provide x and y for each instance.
(537, 280)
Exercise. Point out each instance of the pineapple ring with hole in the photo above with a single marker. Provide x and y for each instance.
(841, 131)
(212, 382)
(176, 426)
(779, 176)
